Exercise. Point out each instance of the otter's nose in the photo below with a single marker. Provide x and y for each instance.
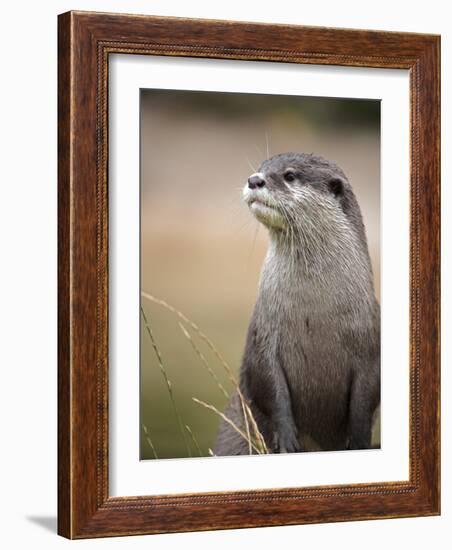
(255, 181)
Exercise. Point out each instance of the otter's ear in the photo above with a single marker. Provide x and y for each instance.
(336, 186)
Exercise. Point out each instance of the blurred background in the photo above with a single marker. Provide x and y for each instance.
(201, 250)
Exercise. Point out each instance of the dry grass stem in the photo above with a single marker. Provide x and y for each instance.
(224, 363)
(203, 359)
(193, 438)
(247, 427)
(256, 430)
(229, 421)
(195, 327)
(149, 440)
(167, 381)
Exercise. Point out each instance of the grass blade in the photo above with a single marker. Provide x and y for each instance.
(203, 359)
(167, 381)
(229, 421)
(223, 362)
(149, 440)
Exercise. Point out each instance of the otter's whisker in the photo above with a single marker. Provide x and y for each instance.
(268, 147)
(261, 155)
(250, 165)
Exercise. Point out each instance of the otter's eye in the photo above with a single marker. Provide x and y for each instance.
(336, 186)
(289, 176)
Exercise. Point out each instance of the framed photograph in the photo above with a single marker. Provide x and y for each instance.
(248, 275)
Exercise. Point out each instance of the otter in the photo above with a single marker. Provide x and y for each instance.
(310, 372)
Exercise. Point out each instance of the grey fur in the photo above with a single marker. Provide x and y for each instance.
(311, 365)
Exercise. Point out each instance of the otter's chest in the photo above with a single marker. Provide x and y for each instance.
(305, 327)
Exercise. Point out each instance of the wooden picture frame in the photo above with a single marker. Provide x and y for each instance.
(85, 42)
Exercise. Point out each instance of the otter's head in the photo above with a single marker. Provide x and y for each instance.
(302, 193)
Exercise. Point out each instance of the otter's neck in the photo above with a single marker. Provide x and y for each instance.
(325, 263)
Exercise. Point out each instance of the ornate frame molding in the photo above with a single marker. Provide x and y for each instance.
(85, 42)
